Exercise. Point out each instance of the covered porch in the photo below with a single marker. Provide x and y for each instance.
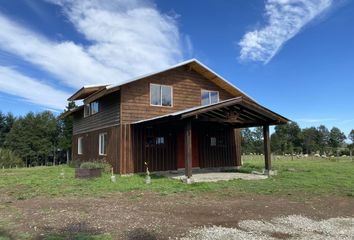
(202, 137)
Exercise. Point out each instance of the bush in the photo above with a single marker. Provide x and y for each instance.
(9, 159)
(106, 167)
(75, 163)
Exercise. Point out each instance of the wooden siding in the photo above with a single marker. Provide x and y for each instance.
(186, 83)
(160, 157)
(109, 115)
(221, 155)
(90, 146)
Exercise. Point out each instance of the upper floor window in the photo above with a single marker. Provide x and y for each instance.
(102, 146)
(79, 145)
(91, 108)
(160, 95)
(209, 97)
(94, 107)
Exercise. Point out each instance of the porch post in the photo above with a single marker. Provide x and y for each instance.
(267, 156)
(237, 135)
(188, 149)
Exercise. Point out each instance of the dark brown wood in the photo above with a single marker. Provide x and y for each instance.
(87, 173)
(188, 148)
(237, 135)
(187, 86)
(108, 115)
(91, 145)
(267, 153)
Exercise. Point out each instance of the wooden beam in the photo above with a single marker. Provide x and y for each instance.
(237, 135)
(267, 153)
(188, 149)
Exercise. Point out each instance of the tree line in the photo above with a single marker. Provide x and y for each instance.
(37, 138)
(291, 139)
(44, 139)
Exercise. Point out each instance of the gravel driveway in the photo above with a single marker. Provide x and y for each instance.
(290, 227)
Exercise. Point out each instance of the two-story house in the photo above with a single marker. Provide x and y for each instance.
(183, 117)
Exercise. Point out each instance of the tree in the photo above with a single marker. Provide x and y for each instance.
(34, 137)
(6, 122)
(351, 137)
(66, 129)
(336, 138)
(288, 137)
(322, 138)
(246, 140)
(311, 136)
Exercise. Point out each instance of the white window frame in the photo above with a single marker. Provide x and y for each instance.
(161, 85)
(213, 141)
(209, 94)
(86, 114)
(160, 140)
(100, 137)
(80, 145)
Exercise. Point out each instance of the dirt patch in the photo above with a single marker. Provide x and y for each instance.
(147, 215)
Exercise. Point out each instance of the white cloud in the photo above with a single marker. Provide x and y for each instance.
(14, 83)
(126, 39)
(285, 18)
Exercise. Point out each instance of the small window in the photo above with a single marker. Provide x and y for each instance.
(160, 140)
(79, 145)
(102, 144)
(209, 97)
(160, 95)
(213, 141)
(94, 107)
(87, 110)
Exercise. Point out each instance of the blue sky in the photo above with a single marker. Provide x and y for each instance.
(295, 57)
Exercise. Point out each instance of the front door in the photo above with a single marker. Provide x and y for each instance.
(180, 149)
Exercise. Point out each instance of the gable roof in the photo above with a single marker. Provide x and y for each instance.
(86, 91)
(192, 63)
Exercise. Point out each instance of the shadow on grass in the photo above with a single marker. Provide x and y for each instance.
(6, 235)
(140, 233)
(75, 231)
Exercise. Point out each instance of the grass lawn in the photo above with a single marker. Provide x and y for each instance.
(300, 176)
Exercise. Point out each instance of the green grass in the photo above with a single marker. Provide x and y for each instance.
(300, 176)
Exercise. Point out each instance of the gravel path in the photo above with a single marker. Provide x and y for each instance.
(290, 227)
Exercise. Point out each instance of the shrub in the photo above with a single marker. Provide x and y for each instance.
(9, 159)
(106, 167)
(75, 163)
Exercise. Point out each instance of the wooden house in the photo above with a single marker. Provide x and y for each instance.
(183, 117)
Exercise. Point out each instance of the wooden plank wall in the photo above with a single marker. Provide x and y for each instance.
(91, 144)
(108, 115)
(221, 155)
(186, 83)
(159, 157)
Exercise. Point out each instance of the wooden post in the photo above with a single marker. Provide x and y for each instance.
(188, 149)
(237, 135)
(267, 156)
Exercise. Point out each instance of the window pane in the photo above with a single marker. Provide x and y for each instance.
(160, 140)
(103, 143)
(94, 107)
(213, 141)
(214, 97)
(155, 94)
(166, 95)
(79, 145)
(205, 97)
(87, 110)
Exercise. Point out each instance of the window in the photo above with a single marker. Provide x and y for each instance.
(79, 145)
(213, 141)
(87, 110)
(209, 97)
(160, 95)
(102, 144)
(91, 108)
(160, 140)
(94, 107)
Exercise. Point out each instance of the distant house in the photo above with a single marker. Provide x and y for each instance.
(183, 117)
